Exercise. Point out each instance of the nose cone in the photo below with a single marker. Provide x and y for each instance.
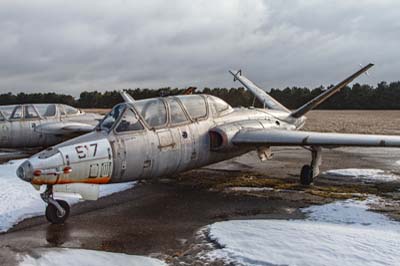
(85, 159)
(25, 171)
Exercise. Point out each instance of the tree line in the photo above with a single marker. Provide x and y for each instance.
(382, 96)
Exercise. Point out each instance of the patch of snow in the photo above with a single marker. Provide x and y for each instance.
(355, 172)
(249, 189)
(67, 257)
(364, 174)
(19, 200)
(398, 162)
(349, 212)
(340, 233)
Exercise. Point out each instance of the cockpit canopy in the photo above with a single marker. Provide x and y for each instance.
(6, 111)
(218, 106)
(32, 111)
(46, 110)
(68, 110)
(2, 118)
(162, 112)
(153, 111)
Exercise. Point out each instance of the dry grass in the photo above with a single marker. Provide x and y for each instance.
(324, 189)
(101, 111)
(357, 121)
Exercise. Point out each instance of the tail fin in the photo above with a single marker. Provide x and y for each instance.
(260, 94)
(325, 95)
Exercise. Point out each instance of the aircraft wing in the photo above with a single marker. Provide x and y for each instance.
(328, 93)
(270, 137)
(64, 128)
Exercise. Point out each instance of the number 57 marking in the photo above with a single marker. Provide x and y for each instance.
(83, 151)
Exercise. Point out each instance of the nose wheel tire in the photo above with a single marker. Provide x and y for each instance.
(306, 175)
(54, 216)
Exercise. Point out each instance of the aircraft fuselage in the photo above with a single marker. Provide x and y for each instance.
(109, 156)
(24, 126)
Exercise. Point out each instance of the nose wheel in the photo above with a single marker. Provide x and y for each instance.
(57, 211)
(56, 216)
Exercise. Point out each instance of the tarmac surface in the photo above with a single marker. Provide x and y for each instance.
(163, 218)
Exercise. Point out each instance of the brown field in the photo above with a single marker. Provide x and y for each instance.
(354, 121)
(101, 111)
(344, 121)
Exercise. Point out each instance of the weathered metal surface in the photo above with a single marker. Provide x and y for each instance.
(86, 161)
(263, 97)
(24, 126)
(304, 138)
(140, 151)
(159, 137)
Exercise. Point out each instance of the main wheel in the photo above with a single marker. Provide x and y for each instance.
(306, 175)
(54, 216)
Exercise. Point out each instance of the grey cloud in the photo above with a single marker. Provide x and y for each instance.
(69, 46)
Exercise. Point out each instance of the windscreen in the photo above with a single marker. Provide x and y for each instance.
(109, 120)
(129, 122)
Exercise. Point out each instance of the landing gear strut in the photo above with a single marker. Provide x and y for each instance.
(57, 211)
(309, 172)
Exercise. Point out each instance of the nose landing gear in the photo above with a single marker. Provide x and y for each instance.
(57, 211)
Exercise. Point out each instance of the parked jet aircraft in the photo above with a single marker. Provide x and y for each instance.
(36, 125)
(43, 125)
(162, 136)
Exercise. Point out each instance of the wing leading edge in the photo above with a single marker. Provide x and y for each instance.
(262, 137)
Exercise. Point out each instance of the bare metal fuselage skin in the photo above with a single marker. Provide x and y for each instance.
(109, 157)
(23, 133)
(163, 152)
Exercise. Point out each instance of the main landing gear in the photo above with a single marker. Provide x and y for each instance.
(309, 172)
(57, 211)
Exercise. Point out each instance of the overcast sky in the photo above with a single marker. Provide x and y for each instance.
(70, 46)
